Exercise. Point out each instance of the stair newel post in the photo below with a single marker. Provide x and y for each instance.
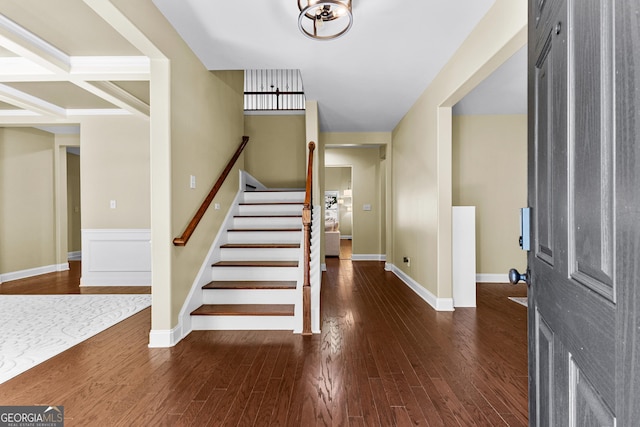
(306, 222)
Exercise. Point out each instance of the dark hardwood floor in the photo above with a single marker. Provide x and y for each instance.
(384, 358)
(64, 282)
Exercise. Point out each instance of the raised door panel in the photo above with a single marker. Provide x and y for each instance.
(591, 151)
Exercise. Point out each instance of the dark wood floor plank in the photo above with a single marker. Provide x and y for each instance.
(409, 401)
(384, 357)
(385, 415)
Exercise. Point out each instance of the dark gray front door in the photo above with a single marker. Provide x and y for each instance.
(584, 190)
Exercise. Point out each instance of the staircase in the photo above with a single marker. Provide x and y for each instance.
(256, 283)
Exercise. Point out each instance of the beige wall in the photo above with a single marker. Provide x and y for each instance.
(74, 236)
(367, 225)
(276, 153)
(197, 122)
(490, 172)
(339, 179)
(115, 166)
(27, 219)
(421, 157)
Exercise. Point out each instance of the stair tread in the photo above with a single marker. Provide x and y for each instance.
(260, 245)
(256, 264)
(270, 203)
(278, 190)
(268, 216)
(250, 284)
(265, 229)
(244, 310)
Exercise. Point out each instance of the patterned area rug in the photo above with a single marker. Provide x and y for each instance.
(519, 300)
(34, 328)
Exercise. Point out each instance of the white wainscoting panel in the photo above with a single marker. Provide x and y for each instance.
(492, 278)
(116, 257)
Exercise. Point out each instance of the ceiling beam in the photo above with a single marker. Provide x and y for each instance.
(27, 45)
(116, 95)
(29, 102)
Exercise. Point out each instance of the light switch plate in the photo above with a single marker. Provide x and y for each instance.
(366, 207)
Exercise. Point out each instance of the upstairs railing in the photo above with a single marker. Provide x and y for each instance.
(273, 90)
(182, 240)
(306, 222)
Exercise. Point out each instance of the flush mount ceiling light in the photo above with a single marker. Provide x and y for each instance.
(324, 19)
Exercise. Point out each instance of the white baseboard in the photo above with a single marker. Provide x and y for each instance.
(440, 304)
(368, 257)
(345, 237)
(165, 337)
(74, 256)
(323, 266)
(30, 272)
(492, 278)
(116, 257)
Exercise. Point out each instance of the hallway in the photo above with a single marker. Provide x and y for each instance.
(384, 358)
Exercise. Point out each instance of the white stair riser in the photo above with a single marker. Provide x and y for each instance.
(274, 196)
(249, 296)
(270, 209)
(255, 273)
(242, 323)
(267, 222)
(259, 254)
(264, 237)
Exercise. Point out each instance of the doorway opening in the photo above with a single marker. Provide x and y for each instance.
(338, 219)
(74, 236)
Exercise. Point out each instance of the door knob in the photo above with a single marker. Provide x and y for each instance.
(515, 277)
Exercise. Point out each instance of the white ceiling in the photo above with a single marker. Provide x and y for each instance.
(59, 60)
(365, 81)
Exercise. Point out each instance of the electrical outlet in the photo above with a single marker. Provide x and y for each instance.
(407, 260)
(112, 204)
(216, 206)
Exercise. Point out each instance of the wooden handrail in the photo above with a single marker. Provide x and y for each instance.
(182, 240)
(306, 222)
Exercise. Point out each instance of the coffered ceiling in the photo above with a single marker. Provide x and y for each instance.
(59, 60)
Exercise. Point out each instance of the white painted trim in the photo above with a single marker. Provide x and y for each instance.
(346, 237)
(247, 179)
(323, 266)
(97, 112)
(29, 102)
(30, 272)
(17, 113)
(140, 65)
(74, 256)
(388, 266)
(440, 304)
(116, 257)
(25, 42)
(164, 338)
(492, 278)
(368, 257)
(13, 66)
